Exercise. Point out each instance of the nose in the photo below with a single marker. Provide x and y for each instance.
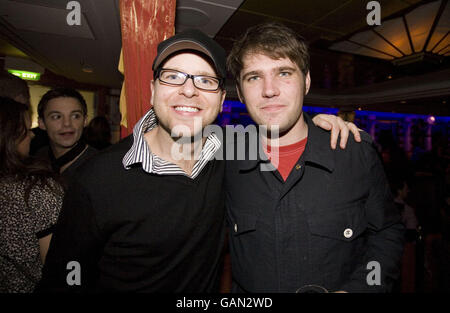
(270, 88)
(67, 121)
(188, 89)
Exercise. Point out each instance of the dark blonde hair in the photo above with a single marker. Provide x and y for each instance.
(272, 39)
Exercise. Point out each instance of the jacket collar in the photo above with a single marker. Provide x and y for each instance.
(317, 149)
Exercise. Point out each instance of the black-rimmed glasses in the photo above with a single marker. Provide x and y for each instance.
(177, 78)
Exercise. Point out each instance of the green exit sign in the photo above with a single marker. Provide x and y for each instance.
(26, 75)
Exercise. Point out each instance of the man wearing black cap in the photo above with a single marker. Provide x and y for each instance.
(138, 218)
(143, 216)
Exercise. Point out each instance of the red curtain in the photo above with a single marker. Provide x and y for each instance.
(144, 24)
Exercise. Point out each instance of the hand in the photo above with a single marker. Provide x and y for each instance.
(336, 125)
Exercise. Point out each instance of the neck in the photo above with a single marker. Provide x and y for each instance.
(59, 151)
(65, 166)
(61, 158)
(297, 132)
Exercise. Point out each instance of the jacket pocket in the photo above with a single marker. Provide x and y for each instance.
(242, 223)
(345, 223)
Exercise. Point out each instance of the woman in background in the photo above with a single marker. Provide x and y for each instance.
(30, 200)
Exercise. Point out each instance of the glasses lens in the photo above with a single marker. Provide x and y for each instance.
(206, 82)
(172, 77)
(179, 78)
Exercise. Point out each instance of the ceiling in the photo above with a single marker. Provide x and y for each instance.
(37, 30)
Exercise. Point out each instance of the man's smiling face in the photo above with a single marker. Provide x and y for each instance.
(182, 105)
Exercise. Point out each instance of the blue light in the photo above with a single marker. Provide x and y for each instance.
(358, 113)
(390, 115)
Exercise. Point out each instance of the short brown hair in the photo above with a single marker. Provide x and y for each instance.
(58, 93)
(272, 39)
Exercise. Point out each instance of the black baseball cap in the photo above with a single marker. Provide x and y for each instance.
(192, 39)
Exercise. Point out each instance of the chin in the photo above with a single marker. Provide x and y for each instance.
(68, 145)
(186, 130)
(185, 137)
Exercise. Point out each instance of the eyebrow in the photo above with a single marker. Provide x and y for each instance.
(59, 112)
(276, 69)
(284, 68)
(251, 74)
(202, 73)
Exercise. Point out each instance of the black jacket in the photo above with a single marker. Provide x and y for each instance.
(323, 226)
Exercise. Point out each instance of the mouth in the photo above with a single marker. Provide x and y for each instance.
(272, 108)
(186, 110)
(67, 134)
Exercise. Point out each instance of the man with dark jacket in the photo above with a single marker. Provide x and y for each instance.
(322, 218)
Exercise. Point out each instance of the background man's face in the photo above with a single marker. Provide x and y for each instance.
(180, 105)
(273, 90)
(64, 121)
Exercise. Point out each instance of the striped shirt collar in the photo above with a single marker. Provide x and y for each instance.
(140, 151)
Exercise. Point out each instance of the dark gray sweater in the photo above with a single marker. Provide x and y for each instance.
(138, 232)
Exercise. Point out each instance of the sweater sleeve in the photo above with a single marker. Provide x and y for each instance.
(71, 263)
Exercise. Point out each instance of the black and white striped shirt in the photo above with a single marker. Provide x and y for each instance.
(140, 151)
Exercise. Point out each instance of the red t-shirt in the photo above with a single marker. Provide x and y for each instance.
(287, 156)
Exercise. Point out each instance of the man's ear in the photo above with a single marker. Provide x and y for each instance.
(152, 91)
(224, 93)
(41, 124)
(241, 98)
(307, 83)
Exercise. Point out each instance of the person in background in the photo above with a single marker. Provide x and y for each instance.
(17, 89)
(322, 215)
(14, 87)
(400, 190)
(98, 133)
(30, 201)
(63, 115)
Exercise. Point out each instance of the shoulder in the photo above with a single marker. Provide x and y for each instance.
(46, 198)
(365, 137)
(105, 162)
(47, 188)
(365, 143)
(11, 190)
(364, 151)
(90, 151)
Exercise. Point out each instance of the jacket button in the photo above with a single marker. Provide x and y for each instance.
(298, 166)
(348, 233)
(235, 228)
